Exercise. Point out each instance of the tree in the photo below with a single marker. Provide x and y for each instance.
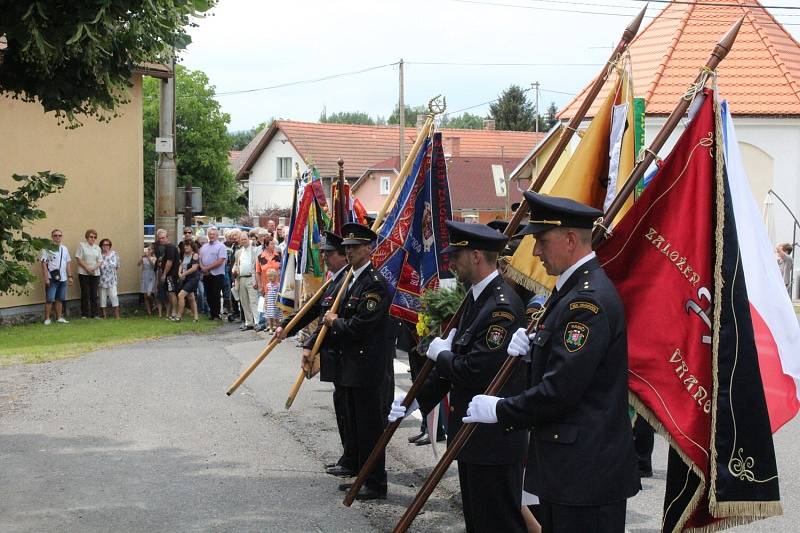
(411, 114)
(202, 142)
(550, 117)
(347, 117)
(76, 57)
(18, 209)
(238, 140)
(512, 111)
(465, 121)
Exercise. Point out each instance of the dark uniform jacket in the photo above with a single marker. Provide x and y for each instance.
(581, 450)
(360, 336)
(478, 352)
(327, 357)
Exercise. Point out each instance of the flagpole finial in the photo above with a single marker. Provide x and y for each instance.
(633, 27)
(340, 162)
(726, 43)
(437, 105)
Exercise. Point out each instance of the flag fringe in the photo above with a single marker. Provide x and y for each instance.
(525, 281)
(643, 411)
(752, 510)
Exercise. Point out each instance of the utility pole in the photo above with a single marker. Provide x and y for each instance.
(536, 105)
(402, 108)
(166, 172)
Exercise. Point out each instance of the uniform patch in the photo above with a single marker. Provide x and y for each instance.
(373, 299)
(575, 336)
(584, 305)
(495, 337)
(503, 314)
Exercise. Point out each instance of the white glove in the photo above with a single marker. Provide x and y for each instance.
(482, 409)
(520, 343)
(439, 345)
(398, 411)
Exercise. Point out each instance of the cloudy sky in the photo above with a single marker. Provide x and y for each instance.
(481, 47)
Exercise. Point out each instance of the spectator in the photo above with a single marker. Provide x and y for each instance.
(200, 295)
(270, 304)
(230, 297)
(786, 264)
(269, 259)
(88, 258)
(271, 226)
(212, 265)
(147, 285)
(243, 271)
(187, 234)
(109, 265)
(57, 275)
(279, 235)
(198, 229)
(189, 276)
(167, 273)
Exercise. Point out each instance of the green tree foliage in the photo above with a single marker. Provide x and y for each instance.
(202, 143)
(411, 114)
(466, 121)
(347, 117)
(550, 116)
(76, 57)
(238, 140)
(17, 210)
(512, 111)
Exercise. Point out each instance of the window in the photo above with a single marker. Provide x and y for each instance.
(284, 168)
(385, 185)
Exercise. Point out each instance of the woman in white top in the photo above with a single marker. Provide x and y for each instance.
(88, 257)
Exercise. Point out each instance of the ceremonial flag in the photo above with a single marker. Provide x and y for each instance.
(302, 256)
(355, 210)
(409, 242)
(695, 372)
(593, 175)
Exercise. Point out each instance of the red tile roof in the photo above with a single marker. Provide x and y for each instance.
(362, 146)
(472, 184)
(760, 76)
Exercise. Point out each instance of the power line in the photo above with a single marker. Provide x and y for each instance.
(313, 80)
(465, 64)
(584, 12)
(713, 4)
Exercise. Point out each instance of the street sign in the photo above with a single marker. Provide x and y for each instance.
(197, 199)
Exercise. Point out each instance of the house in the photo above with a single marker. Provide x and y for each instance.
(760, 78)
(104, 190)
(270, 162)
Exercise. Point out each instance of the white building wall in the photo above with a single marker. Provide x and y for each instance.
(266, 190)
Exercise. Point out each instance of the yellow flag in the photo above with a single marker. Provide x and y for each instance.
(584, 179)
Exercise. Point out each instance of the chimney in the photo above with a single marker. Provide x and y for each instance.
(488, 124)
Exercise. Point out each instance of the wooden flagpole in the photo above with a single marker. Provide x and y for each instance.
(563, 141)
(720, 51)
(435, 108)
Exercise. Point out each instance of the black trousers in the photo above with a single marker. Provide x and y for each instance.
(349, 459)
(607, 518)
(365, 423)
(89, 285)
(643, 441)
(213, 286)
(492, 497)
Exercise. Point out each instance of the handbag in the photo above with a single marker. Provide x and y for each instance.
(55, 275)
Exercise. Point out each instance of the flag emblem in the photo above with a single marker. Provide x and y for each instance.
(575, 336)
(495, 337)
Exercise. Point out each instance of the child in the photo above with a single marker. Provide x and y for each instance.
(273, 313)
(148, 278)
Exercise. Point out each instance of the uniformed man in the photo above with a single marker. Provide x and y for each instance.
(336, 260)
(581, 461)
(360, 333)
(466, 361)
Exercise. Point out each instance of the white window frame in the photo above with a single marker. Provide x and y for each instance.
(280, 174)
(385, 186)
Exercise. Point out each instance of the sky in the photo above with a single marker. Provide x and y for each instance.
(487, 46)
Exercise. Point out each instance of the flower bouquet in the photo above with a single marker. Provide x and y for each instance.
(438, 306)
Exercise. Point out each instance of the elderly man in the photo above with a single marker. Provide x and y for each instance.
(168, 264)
(57, 275)
(244, 271)
(581, 460)
(213, 256)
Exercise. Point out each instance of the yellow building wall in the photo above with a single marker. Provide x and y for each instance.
(102, 162)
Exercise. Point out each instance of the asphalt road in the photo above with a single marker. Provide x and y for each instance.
(143, 438)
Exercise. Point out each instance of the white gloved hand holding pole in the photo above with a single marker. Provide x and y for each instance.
(520, 343)
(439, 344)
(398, 411)
(482, 409)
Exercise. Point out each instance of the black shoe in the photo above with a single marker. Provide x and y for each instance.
(441, 437)
(645, 472)
(415, 438)
(368, 493)
(423, 441)
(339, 470)
(344, 487)
(245, 327)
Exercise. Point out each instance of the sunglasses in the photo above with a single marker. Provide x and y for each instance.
(56, 235)
(187, 232)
